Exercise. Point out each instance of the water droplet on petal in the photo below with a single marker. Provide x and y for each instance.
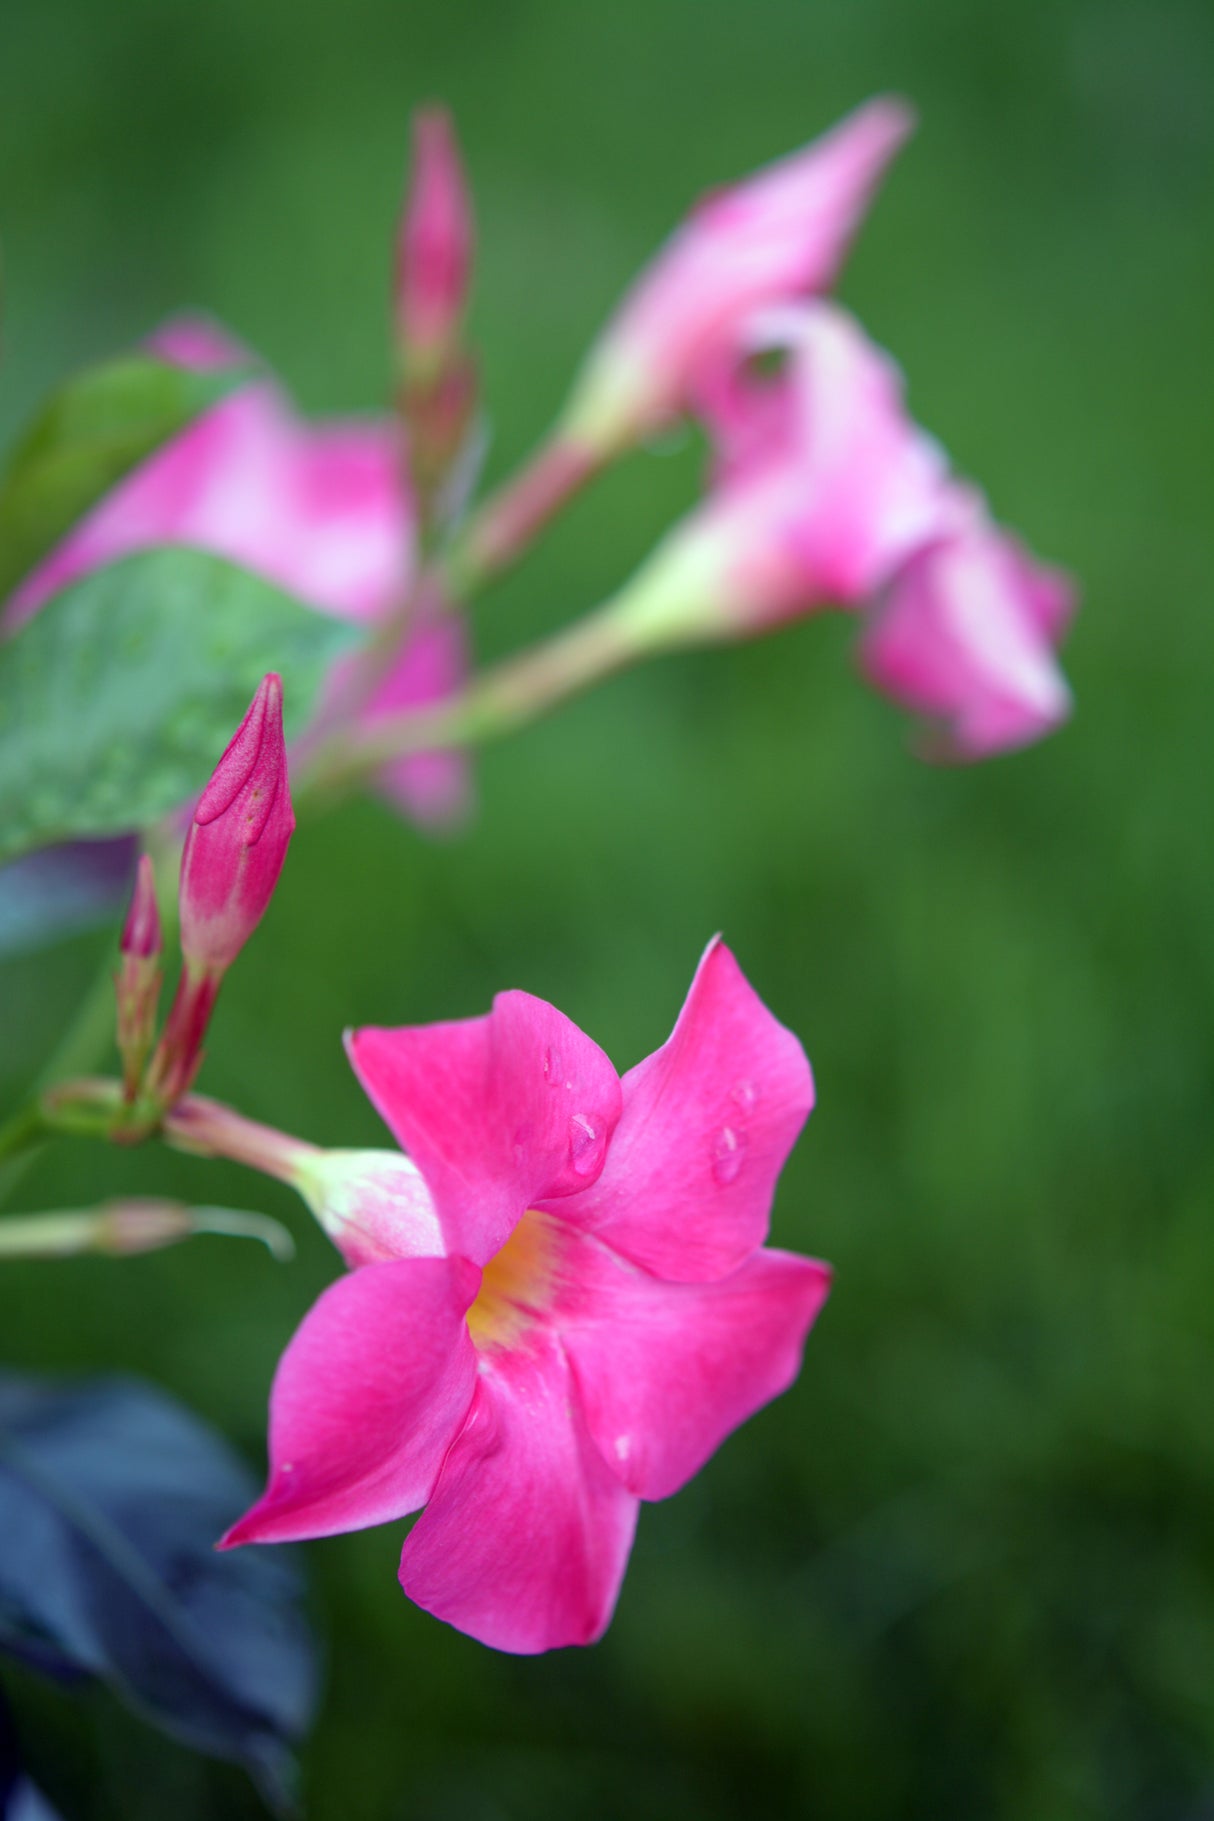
(727, 1154)
(586, 1145)
(745, 1094)
(549, 1068)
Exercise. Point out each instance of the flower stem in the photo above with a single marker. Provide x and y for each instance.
(207, 1128)
(510, 520)
(499, 701)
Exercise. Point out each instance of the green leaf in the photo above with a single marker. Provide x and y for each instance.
(92, 431)
(119, 696)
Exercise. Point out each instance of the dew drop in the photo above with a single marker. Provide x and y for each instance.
(745, 1094)
(585, 1145)
(727, 1154)
(549, 1068)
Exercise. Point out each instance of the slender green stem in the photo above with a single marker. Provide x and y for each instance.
(503, 529)
(23, 1131)
(496, 703)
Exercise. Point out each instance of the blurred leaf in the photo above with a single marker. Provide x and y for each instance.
(92, 431)
(111, 1500)
(20, 1800)
(62, 890)
(117, 699)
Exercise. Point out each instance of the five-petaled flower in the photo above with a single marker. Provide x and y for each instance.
(560, 1302)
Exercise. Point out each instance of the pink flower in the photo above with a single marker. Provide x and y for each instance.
(434, 253)
(966, 636)
(320, 511)
(778, 236)
(826, 493)
(581, 1315)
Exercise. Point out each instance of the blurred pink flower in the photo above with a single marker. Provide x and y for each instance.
(777, 236)
(826, 493)
(573, 1310)
(965, 635)
(322, 511)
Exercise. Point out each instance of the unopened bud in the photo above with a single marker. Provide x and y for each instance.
(238, 838)
(437, 397)
(233, 855)
(434, 250)
(137, 982)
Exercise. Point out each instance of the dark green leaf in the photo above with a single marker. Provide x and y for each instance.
(92, 431)
(119, 696)
(111, 1499)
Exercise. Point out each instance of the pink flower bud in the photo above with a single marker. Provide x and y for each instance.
(238, 838)
(141, 937)
(778, 237)
(434, 250)
(137, 982)
(233, 855)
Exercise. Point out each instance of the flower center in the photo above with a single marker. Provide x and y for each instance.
(517, 1284)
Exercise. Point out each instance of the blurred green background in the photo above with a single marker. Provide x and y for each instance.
(966, 1567)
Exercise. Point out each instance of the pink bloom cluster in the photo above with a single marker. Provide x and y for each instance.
(559, 1303)
(827, 493)
(322, 511)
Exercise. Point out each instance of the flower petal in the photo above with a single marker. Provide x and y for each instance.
(525, 1541)
(966, 636)
(708, 1122)
(667, 1371)
(497, 1113)
(367, 1397)
(432, 787)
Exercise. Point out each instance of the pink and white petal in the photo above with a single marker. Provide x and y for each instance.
(372, 1388)
(779, 234)
(432, 787)
(667, 1371)
(708, 1122)
(497, 1112)
(353, 549)
(966, 635)
(525, 1540)
(374, 1205)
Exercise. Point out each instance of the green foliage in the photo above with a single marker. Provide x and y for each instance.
(120, 694)
(94, 429)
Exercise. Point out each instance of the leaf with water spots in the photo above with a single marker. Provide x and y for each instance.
(119, 696)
